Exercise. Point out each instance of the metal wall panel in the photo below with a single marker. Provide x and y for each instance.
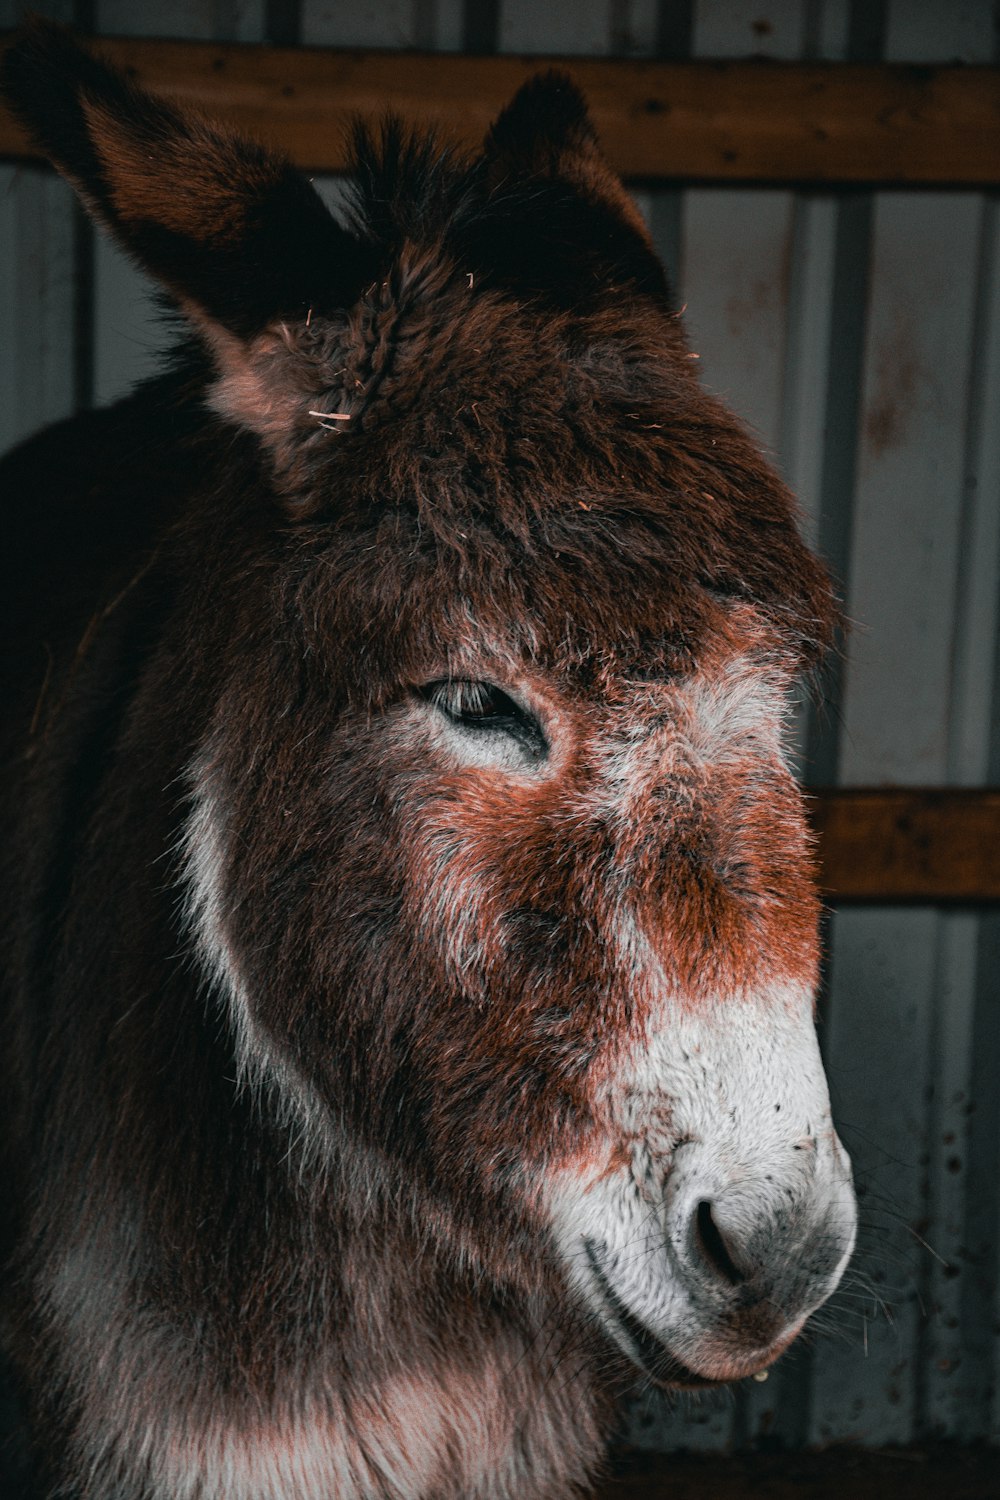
(428, 24)
(37, 300)
(859, 333)
(908, 994)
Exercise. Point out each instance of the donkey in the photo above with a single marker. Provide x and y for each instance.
(413, 935)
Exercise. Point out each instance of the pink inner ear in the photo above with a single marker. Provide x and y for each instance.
(265, 384)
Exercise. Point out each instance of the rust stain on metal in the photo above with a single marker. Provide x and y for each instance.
(899, 378)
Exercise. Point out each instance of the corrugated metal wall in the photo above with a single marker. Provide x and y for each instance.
(860, 334)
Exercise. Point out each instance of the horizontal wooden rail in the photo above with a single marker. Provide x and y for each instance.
(940, 845)
(725, 121)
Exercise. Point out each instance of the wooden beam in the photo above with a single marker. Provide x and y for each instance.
(692, 121)
(940, 845)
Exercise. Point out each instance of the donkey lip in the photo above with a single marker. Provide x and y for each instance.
(653, 1358)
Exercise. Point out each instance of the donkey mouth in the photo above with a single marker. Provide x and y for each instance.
(644, 1348)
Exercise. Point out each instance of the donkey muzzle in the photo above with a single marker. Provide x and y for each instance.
(717, 1283)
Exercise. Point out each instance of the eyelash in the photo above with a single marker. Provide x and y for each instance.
(481, 707)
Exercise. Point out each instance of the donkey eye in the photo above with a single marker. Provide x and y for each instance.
(483, 708)
(479, 704)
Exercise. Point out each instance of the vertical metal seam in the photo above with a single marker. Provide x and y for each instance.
(836, 501)
(84, 299)
(844, 377)
(976, 1146)
(978, 1293)
(674, 29)
(674, 35)
(283, 23)
(480, 26)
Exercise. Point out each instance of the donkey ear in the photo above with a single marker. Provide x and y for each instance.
(546, 132)
(232, 230)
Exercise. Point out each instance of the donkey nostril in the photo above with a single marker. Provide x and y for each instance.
(713, 1247)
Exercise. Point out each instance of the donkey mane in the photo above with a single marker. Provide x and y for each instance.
(539, 236)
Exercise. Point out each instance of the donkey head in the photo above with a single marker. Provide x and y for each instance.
(493, 849)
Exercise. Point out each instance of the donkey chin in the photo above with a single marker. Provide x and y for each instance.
(727, 1215)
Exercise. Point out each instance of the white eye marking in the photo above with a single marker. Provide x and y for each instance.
(491, 719)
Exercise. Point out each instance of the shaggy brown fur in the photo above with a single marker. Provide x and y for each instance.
(277, 1226)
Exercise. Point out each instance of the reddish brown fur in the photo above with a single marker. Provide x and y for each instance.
(531, 489)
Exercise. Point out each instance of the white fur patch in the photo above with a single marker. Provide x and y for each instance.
(738, 706)
(152, 1422)
(261, 1069)
(726, 1105)
(713, 720)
